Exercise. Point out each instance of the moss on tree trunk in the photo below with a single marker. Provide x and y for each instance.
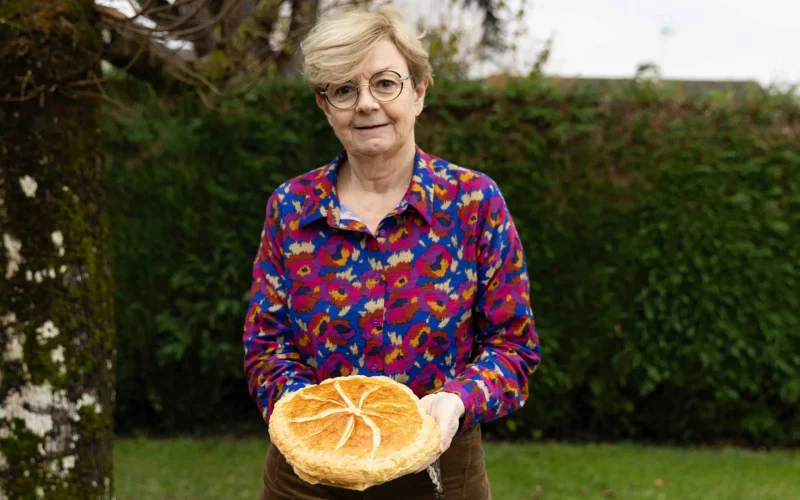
(56, 310)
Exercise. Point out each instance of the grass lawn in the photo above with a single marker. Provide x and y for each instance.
(179, 469)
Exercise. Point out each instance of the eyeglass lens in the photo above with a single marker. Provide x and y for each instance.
(385, 86)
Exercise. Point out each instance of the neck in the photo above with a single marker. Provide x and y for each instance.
(378, 174)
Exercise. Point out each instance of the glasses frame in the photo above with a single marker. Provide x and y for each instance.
(324, 93)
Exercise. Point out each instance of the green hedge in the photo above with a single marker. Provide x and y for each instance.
(661, 236)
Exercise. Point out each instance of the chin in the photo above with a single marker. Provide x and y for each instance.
(375, 147)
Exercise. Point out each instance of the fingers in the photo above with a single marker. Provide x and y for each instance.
(448, 433)
(446, 409)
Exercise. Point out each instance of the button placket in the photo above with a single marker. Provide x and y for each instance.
(386, 342)
(376, 249)
(379, 324)
(381, 238)
(383, 233)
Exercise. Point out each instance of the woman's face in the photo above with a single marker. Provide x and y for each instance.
(372, 127)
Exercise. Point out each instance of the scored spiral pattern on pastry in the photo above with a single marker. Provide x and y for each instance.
(354, 432)
(357, 411)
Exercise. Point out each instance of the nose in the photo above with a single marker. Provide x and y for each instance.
(366, 102)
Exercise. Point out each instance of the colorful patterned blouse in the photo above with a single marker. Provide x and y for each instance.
(437, 299)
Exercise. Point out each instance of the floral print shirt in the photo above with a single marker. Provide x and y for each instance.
(437, 299)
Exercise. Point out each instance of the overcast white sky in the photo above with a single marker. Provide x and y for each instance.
(711, 39)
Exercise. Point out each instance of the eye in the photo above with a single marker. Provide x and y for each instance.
(344, 91)
(386, 84)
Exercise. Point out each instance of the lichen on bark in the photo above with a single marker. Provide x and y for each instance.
(56, 309)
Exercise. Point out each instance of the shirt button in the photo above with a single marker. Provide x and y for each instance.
(376, 322)
(374, 366)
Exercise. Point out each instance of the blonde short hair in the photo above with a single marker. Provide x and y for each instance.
(335, 48)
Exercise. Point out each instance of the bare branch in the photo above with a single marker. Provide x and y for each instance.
(135, 54)
(183, 26)
(184, 20)
(147, 6)
(25, 97)
(151, 11)
(145, 29)
(103, 96)
(93, 81)
(237, 17)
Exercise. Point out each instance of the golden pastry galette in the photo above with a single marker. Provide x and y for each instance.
(353, 432)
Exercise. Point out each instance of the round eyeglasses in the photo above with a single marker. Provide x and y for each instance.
(384, 86)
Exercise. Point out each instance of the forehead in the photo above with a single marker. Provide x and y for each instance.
(383, 56)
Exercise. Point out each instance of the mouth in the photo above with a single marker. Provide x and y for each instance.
(371, 127)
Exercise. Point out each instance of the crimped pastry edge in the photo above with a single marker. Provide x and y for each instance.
(350, 472)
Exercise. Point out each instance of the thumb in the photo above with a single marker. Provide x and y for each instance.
(427, 402)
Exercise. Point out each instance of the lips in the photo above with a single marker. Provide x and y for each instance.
(371, 127)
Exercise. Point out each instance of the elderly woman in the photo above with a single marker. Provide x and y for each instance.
(389, 261)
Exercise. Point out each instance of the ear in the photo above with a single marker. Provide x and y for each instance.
(419, 96)
(323, 105)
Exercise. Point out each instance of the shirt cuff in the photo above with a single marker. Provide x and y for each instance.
(289, 386)
(293, 385)
(472, 397)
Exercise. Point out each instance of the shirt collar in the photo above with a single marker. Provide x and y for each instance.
(323, 202)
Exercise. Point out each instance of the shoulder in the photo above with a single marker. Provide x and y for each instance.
(303, 184)
(458, 181)
(291, 195)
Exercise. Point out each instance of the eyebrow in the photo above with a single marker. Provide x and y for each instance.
(387, 68)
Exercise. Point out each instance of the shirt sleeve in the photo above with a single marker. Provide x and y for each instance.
(506, 346)
(272, 362)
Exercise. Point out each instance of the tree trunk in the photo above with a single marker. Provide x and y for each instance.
(303, 18)
(56, 310)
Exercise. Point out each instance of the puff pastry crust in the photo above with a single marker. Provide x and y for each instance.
(353, 432)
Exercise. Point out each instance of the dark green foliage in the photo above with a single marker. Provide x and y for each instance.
(189, 198)
(661, 237)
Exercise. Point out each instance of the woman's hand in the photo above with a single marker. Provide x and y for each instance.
(445, 408)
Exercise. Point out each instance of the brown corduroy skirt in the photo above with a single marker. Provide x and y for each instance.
(463, 478)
